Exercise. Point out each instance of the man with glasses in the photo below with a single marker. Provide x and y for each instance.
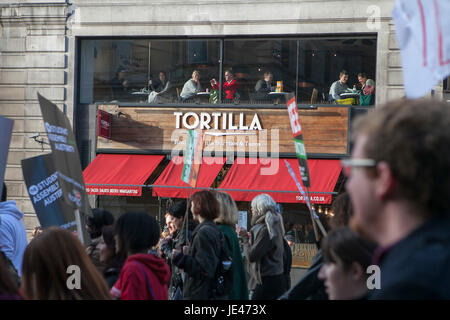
(398, 179)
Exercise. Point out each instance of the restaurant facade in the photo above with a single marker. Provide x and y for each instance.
(100, 60)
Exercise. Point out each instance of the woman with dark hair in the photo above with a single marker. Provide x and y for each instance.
(144, 276)
(346, 257)
(94, 225)
(178, 239)
(200, 260)
(8, 287)
(108, 256)
(45, 269)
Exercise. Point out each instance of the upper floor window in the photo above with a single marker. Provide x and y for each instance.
(211, 71)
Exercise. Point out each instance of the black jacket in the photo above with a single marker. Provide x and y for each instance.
(309, 287)
(200, 264)
(417, 267)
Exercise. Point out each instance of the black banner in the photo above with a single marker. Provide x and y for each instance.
(41, 179)
(65, 157)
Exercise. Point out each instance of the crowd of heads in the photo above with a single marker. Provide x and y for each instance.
(398, 178)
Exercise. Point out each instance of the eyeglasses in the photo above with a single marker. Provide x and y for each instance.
(348, 164)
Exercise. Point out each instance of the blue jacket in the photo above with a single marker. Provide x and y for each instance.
(13, 236)
(417, 267)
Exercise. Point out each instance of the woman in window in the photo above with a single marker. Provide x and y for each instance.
(191, 87)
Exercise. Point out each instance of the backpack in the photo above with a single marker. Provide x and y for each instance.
(223, 280)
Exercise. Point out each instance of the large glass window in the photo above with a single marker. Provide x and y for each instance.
(322, 60)
(129, 70)
(238, 71)
(262, 65)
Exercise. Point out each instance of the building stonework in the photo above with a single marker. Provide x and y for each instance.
(38, 49)
(33, 58)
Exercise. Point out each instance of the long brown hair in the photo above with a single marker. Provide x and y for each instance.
(45, 264)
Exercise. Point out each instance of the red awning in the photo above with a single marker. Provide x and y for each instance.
(171, 177)
(247, 176)
(119, 174)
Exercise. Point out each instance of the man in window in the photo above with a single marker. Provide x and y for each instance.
(339, 86)
(263, 87)
(230, 86)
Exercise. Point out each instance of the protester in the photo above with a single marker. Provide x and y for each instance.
(310, 287)
(109, 256)
(144, 276)
(347, 257)
(201, 259)
(177, 239)
(13, 236)
(264, 250)
(399, 181)
(36, 231)
(9, 289)
(95, 223)
(226, 222)
(46, 269)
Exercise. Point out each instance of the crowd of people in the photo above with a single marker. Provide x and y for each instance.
(393, 218)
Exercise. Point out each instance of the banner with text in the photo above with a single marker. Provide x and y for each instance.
(297, 133)
(46, 195)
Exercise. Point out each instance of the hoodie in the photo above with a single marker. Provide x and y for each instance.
(143, 277)
(13, 236)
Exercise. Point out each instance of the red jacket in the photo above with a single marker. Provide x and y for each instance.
(230, 88)
(143, 277)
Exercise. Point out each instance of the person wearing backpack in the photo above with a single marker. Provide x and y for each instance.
(226, 221)
(201, 259)
(264, 250)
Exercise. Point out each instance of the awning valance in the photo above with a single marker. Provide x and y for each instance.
(254, 176)
(119, 174)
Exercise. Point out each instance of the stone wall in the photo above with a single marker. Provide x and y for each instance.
(33, 58)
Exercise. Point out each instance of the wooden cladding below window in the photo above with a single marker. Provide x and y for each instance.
(325, 129)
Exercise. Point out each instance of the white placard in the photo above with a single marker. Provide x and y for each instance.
(242, 219)
(422, 33)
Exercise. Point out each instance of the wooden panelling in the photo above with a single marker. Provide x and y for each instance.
(325, 130)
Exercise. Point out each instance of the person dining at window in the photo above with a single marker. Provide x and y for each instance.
(339, 86)
(230, 86)
(362, 78)
(191, 87)
(264, 86)
(161, 88)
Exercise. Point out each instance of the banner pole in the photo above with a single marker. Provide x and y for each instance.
(79, 227)
(317, 221)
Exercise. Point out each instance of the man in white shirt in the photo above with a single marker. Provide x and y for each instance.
(339, 86)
